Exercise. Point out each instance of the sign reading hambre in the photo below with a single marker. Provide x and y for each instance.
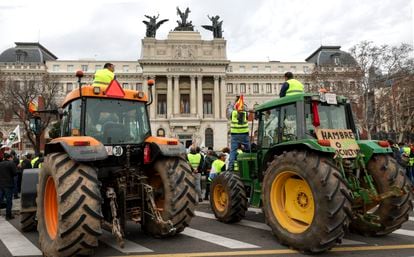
(343, 140)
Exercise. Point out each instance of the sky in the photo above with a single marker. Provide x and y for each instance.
(255, 30)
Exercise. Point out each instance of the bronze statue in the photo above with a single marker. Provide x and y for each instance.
(183, 25)
(215, 27)
(153, 25)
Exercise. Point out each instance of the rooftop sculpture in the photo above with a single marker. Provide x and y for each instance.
(215, 27)
(153, 25)
(183, 25)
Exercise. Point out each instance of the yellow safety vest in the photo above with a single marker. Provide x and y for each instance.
(236, 127)
(194, 160)
(218, 165)
(33, 161)
(295, 87)
(236, 163)
(103, 77)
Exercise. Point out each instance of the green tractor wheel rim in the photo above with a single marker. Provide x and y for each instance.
(292, 202)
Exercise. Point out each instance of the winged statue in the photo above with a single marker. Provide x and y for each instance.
(153, 25)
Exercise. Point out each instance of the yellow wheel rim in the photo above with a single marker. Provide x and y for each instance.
(292, 202)
(220, 198)
(50, 208)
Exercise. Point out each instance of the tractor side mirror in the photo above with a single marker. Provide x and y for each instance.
(35, 125)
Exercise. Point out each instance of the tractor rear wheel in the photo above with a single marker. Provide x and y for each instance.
(68, 207)
(28, 221)
(175, 196)
(228, 197)
(305, 201)
(394, 211)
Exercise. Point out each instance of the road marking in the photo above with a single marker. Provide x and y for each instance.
(255, 210)
(278, 251)
(130, 247)
(411, 218)
(404, 232)
(219, 240)
(262, 226)
(15, 241)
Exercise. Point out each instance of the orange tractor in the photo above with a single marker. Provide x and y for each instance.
(106, 169)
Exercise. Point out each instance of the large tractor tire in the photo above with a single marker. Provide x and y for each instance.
(228, 197)
(305, 201)
(68, 207)
(175, 196)
(394, 211)
(28, 221)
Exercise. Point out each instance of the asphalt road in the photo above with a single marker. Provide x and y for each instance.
(208, 237)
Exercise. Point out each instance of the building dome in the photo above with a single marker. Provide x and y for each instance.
(331, 55)
(27, 53)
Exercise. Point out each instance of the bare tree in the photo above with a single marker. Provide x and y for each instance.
(19, 90)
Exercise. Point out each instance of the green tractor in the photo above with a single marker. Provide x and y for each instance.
(313, 177)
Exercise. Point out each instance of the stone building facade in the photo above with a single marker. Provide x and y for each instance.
(195, 83)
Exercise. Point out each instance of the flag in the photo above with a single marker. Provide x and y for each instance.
(13, 138)
(33, 105)
(239, 105)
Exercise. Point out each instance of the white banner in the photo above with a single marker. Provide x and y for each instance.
(13, 138)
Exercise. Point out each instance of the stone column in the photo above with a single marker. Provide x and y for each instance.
(223, 92)
(169, 96)
(153, 106)
(176, 95)
(200, 96)
(192, 95)
(216, 98)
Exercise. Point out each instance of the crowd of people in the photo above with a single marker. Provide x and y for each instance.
(404, 154)
(11, 171)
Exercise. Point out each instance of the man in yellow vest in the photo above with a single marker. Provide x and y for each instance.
(196, 161)
(104, 76)
(291, 86)
(239, 130)
(217, 167)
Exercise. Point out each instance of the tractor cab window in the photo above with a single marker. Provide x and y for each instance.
(114, 121)
(331, 116)
(270, 119)
(71, 119)
(288, 123)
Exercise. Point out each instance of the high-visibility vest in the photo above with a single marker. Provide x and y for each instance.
(194, 160)
(295, 87)
(216, 167)
(103, 77)
(236, 163)
(33, 161)
(237, 127)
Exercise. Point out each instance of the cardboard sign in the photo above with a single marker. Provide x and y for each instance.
(343, 140)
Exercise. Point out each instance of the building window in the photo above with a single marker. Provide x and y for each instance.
(160, 132)
(125, 85)
(209, 138)
(242, 69)
(162, 104)
(207, 104)
(139, 68)
(69, 87)
(255, 88)
(267, 68)
(255, 68)
(337, 60)
(242, 88)
(229, 88)
(98, 67)
(305, 69)
(125, 68)
(138, 86)
(71, 68)
(293, 68)
(268, 88)
(280, 69)
(56, 67)
(184, 103)
(230, 68)
(84, 67)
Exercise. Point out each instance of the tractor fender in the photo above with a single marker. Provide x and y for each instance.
(371, 147)
(81, 149)
(30, 179)
(162, 146)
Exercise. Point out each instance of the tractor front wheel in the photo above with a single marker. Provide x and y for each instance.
(68, 207)
(228, 197)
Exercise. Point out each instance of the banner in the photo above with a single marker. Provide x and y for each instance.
(13, 138)
(342, 140)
